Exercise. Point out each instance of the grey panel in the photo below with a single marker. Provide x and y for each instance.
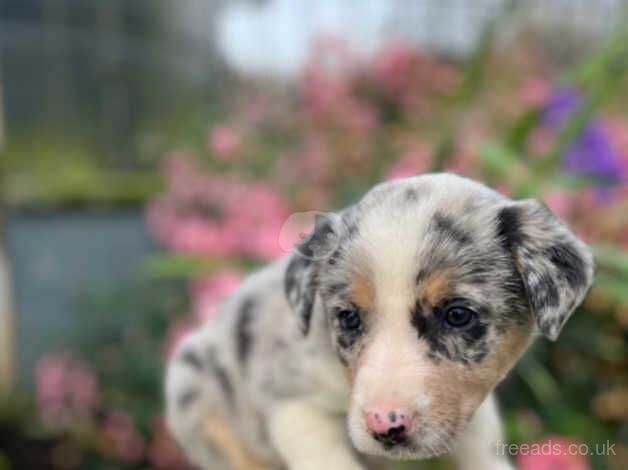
(57, 258)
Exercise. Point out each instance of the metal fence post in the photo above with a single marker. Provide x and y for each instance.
(7, 351)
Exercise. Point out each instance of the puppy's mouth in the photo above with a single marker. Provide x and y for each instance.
(395, 436)
(418, 441)
(411, 447)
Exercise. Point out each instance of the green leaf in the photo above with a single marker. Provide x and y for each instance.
(541, 383)
(498, 159)
(572, 181)
(612, 257)
(522, 128)
(612, 287)
(176, 266)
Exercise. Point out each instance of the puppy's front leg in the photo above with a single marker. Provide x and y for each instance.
(482, 444)
(307, 437)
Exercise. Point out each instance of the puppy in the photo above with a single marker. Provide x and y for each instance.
(383, 334)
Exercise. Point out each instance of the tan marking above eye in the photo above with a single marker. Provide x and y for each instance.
(435, 287)
(361, 292)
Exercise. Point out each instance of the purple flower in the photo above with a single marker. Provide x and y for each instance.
(563, 103)
(591, 153)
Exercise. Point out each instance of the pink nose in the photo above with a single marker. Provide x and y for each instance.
(389, 424)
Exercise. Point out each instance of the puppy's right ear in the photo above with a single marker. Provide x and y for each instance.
(301, 278)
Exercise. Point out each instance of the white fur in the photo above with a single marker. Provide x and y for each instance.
(309, 438)
(478, 446)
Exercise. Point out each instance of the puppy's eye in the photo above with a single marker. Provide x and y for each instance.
(349, 319)
(458, 317)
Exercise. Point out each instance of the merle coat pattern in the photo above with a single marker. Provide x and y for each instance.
(418, 299)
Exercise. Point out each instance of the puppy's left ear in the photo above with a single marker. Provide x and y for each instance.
(555, 266)
(302, 273)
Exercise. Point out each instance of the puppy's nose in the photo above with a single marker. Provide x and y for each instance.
(389, 425)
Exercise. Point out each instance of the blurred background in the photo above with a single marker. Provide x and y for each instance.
(142, 142)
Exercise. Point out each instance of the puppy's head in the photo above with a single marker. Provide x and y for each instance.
(432, 287)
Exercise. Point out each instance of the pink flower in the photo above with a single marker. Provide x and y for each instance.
(463, 161)
(393, 63)
(83, 390)
(201, 214)
(403, 73)
(617, 130)
(536, 92)
(209, 292)
(177, 167)
(541, 141)
(178, 331)
(224, 141)
(313, 160)
(128, 443)
(267, 245)
(413, 162)
(163, 452)
(326, 79)
(321, 92)
(504, 190)
(560, 201)
(196, 236)
(67, 390)
(555, 453)
(254, 220)
(357, 116)
(50, 376)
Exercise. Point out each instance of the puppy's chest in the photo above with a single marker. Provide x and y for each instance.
(330, 386)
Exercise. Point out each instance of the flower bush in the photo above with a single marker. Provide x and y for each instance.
(552, 454)
(346, 125)
(67, 390)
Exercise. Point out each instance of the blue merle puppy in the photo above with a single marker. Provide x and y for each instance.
(383, 334)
